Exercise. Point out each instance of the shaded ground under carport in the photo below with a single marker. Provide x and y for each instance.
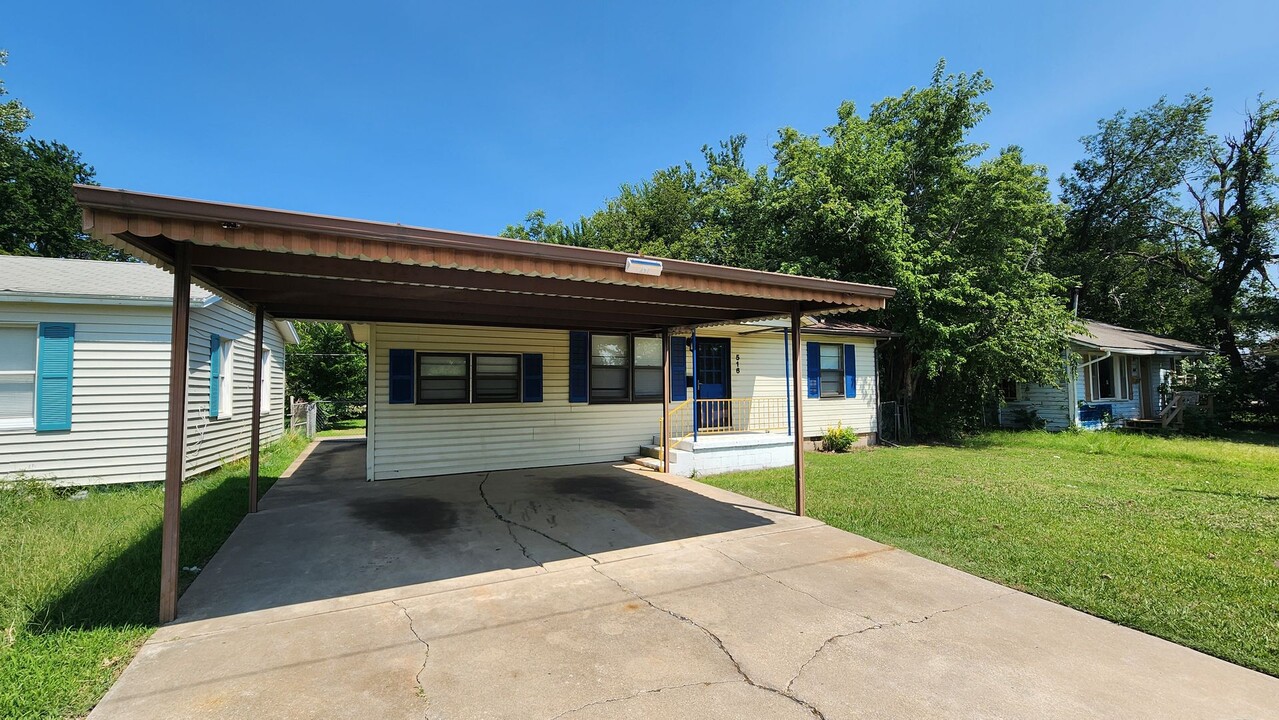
(602, 591)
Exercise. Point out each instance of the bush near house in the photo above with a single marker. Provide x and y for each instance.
(1178, 537)
(80, 577)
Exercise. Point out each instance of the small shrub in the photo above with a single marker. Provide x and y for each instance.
(1027, 417)
(838, 439)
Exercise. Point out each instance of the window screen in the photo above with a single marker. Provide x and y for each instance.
(497, 378)
(443, 378)
(17, 376)
(610, 368)
(832, 357)
(648, 368)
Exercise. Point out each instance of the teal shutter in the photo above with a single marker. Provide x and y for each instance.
(215, 374)
(850, 371)
(814, 370)
(55, 360)
(579, 359)
(532, 367)
(679, 369)
(400, 363)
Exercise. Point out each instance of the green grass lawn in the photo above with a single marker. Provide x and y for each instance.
(80, 578)
(1175, 537)
(344, 428)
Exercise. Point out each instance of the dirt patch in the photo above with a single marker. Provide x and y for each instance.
(407, 516)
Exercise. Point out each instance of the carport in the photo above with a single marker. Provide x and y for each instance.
(304, 266)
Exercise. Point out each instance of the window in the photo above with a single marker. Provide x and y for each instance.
(264, 402)
(1011, 391)
(648, 369)
(17, 377)
(497, 378)
(610, 368)
(832, 367)
(443, 378)
(226, 378)
(1108, 379)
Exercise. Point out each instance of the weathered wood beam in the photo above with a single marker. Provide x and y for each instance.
(175, 451)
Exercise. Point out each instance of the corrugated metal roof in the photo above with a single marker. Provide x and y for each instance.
(1120, 339)
(89, 279)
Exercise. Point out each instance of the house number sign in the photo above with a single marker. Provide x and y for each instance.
(738, 363)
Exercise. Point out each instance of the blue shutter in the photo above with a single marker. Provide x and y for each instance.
(679, 369)
(814, 370)
(532, 377)
(401, 377)
(579, 363)
(850, 371)
(215, 374)
(54, 362)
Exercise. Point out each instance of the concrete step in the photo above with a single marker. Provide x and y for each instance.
(645, 461)
(655, 451)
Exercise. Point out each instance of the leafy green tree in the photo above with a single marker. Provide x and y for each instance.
(899, 198)
(326, 364)
(38, 213)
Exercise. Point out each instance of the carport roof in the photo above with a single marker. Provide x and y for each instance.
(299, 265)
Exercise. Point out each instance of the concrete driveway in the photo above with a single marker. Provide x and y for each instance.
(603, 591)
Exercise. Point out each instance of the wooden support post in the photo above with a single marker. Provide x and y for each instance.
(797, 395)
(255, 427)
(666, 400)
(175, 452)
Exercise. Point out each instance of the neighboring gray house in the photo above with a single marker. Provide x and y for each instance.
(1121, 374)
(84, 372)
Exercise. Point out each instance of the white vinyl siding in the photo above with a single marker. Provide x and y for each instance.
(414, 440)
(212, 442)
(119, 405)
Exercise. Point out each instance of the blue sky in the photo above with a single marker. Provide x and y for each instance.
(467, 115)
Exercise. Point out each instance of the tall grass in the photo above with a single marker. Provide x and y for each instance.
(79, 577)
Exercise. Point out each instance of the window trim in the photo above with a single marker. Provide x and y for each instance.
(519, 378)
(659, 367)
(629, 369)
(1019, 391)
(226, 377)
(27, 423)
(630, 398)
(417, 378)
(821, 380)
(1121, 378)
(264, 391)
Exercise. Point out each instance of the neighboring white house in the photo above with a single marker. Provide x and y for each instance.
(1122, 375)
(454, 399)
(84, 372)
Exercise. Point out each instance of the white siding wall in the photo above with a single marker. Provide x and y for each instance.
(120, 395)
(1051, 404)
(213, 442)
(418, 440)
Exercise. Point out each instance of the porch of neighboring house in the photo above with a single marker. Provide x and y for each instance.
(300, 266)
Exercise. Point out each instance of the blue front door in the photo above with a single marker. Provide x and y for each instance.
(713, 382)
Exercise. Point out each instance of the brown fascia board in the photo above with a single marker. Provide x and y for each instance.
(127, 201)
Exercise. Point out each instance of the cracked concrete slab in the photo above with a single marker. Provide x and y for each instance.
(550, 644)
(1018, 656)
(352, 664)
(603, 591)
